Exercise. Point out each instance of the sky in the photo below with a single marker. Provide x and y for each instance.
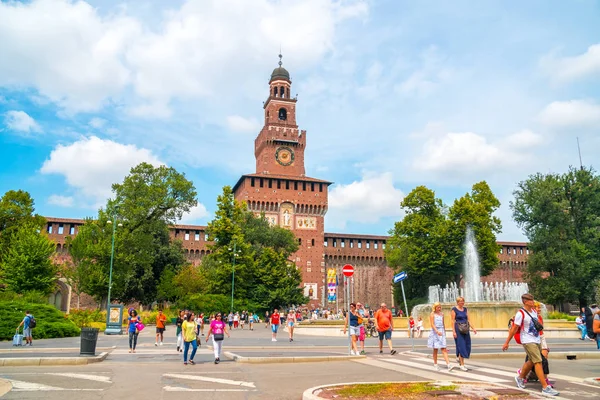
(393, 94)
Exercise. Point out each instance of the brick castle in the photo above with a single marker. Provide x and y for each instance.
(289, 198)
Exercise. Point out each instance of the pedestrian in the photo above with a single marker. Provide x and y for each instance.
(267, 319)
(275, 321)
(217, 329)
(27, 327)
(361, 326)
(461, 327)
(251, 321)
(352, 325)
(132, 329)
(161, 319)
(179, 323)
(596, 328)
(411, 327)
(236, 320)
(291, 323)
(527, 326)
(589, 322)
(202, 322)
(580, 322)
(437, 336)
(243, 319)
(188, 329)
(230, 320)
(419, 327)
(384, 323)
(545, 350)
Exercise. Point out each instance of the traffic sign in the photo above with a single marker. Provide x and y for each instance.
(399, 277)
(348, 270)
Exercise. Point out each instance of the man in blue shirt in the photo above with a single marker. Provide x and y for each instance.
(27, 328)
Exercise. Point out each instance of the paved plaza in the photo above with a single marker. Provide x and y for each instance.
(158, 372)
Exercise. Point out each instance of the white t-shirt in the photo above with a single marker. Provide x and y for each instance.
(578, 321)
(528, 332)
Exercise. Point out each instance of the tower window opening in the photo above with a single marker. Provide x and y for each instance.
(295, 185)
(320, 187)
(275, 91)
(287, 93)
(312, 187)
(281, 91)
(312, 242)
(252, 182)
(287, 185)
(300, 241)
(260, 182)
(304, 186)
(282, 114)
(270, 183)
(278, 184)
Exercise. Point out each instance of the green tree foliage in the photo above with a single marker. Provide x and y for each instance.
(148, 201)
(560, 215)
(263, 273)
(428, 242)
(25, 251)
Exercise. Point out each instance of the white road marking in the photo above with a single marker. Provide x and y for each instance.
(459, 373)
(207, 379)
(96, 378)
(180, 389)
(20, 386)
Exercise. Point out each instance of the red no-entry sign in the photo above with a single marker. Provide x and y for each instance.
(348, 270)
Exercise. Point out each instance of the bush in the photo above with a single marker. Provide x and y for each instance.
(149, 317)
(85, 318)
(51, 323)
(210, 303)
(560, 315)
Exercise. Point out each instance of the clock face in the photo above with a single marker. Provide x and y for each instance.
(284, 156)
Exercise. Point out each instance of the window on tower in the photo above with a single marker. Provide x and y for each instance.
(282, 114)
(275, 91)
(281, 91)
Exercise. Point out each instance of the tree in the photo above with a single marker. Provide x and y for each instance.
(428, 242)
(560, 215)
(148, 201)
(27, 265)
(264, 274)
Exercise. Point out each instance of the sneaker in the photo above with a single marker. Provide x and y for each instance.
(273, 340)
(184, 363)
(218, 360)
(161, 343)
(393, 352)
(520, 382)
(177, 348)
(436, 367)
(362, 353)
(463, 368)
(450, 367)
(192, 362)
(156, 343)
(548, 391)
(380, 351)
(130, 350)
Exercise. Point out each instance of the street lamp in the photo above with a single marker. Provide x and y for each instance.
(235, 253)
(112, 256)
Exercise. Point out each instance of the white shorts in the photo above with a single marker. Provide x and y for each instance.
(354, 330)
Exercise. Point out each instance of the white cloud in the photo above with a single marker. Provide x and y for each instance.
(97, 123)
(91, 165)
(427, 77)
(82, 59)
(196, 213)
(563, 69)
(241, 124)
(471, 153)
(366, 201)
(61, 201)
(20, 121)
(573, 113)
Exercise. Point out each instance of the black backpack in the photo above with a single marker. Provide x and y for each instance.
(32, 322)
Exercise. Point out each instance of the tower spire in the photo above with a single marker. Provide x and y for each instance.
(280, 57)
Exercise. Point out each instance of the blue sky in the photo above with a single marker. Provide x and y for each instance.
(393, 94)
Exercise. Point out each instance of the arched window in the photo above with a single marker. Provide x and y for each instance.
(275, 91)
(282, 92)
(282, 114)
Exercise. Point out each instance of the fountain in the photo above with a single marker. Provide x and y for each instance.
(490, 305)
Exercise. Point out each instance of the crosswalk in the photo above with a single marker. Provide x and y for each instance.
(422, 366)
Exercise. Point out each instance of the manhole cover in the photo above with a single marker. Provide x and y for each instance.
(437, 393)
(507, 392)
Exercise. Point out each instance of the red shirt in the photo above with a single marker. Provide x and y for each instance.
(275, 319)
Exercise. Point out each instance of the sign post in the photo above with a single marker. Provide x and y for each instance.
(348, 271)
(400, 277)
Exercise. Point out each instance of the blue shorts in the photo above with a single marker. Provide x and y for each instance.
(274, 328)
(387, 335)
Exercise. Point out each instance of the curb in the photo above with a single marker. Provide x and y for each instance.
(593, 381)
(271, 360)
(43, 361)
(579, 355)
(5, 387)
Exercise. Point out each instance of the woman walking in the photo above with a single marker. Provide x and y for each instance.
(188, 329)
(218, 329)
(291, 322)
(133, 330)
(461, 326)
(352, 324)
(178, 323)
(437, 336)
(251, 321)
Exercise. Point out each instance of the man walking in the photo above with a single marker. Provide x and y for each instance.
(384, 323)
(275, 321)
(26, 324)
(160, 327)
(525, 323)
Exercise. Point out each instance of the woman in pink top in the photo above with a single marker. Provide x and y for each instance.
(218, 329)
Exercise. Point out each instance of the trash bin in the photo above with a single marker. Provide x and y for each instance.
(89, 338)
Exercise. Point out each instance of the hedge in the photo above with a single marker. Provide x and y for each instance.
(51, 323)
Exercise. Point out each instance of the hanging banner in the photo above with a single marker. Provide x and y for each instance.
(331, 285)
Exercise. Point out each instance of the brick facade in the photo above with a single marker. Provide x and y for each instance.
(289, 198)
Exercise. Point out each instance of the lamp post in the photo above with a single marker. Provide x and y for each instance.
(233, 273)
(112, 256)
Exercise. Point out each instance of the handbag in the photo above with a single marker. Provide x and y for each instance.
(139, 326)
(463, 327)
(536, 324)
(218, 336)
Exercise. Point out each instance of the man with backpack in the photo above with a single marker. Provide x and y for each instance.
(28, 324)
(526, 331)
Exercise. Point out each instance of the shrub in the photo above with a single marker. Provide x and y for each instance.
(209, 303)
(51, 323)
(560, 315)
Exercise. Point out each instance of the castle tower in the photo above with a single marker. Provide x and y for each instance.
(280, 188)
